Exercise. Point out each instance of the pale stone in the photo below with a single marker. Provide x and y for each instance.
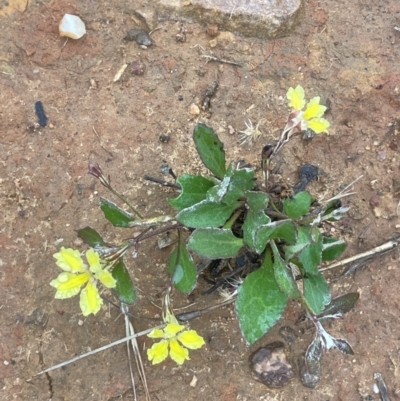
(72, 26)
(255, 18)
(194, 110)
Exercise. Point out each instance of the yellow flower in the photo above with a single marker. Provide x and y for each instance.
(173, 335)
(311, 117)
(296, 97)
(76, 273)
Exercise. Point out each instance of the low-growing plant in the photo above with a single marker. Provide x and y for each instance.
(220, 216)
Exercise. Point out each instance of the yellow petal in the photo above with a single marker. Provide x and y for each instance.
(296, 97)
(94, 260)
(314, 109)
(318, 125)
(106, 278)
(69, 260)
(69, 284)
(156, 333)
(172, 329)
(178, 353)
(190, 339)
(158, 352)
(90, 301)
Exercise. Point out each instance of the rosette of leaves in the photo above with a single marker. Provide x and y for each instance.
(209, 206)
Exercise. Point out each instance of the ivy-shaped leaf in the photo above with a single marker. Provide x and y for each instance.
(332, 248)
(340, 305)
(254, 219)
(297, 205)
(91, 237)
(260, 303)
(214, 243)
(114, 214)
(124, 289)
(284, 229)
(182, 269)
(217, 193)
(242, 180)
(194, 190)
(206, 214)
(316, 292)
(256, 200)
(283, 275)
(308, 248)
(311, 255)
(233, 186)
(210, 149)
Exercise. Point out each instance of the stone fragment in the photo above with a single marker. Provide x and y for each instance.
(140, 36)
(288, 334)
(72, 27)
(194, 110)
(254, 18)
(269, 365)
(137, 67)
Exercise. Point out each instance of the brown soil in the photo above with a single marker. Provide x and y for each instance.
(344, 51)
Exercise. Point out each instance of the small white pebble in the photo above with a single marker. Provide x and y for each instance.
(6, 363)
(193, 383)
(72, 27)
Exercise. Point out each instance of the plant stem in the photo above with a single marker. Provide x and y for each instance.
(125, 201)
(234, 217)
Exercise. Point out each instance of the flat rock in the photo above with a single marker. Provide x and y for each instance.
(269, 365)
(266, 19)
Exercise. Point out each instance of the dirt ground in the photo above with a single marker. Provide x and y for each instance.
(348, 52)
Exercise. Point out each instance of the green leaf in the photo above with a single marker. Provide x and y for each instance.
(298, 205)
(284, 229)
(91, 237)
(256, 200)
(210, 149)
(217, 193)
(308, 248)
(206, 214)
(311, 255)
(124, 289)
(242, 180)
(340, 305)
(214, 243)
(332, 248)
(233, 186)
(303, 239)
(182, 269)
(260, 303)
(283, 275)
(114, 214)
(316, 292)
(254, 219)
(194, 189)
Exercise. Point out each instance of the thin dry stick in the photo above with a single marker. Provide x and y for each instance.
(95, 351)
(139, 363)
(220, 60)
(386, 247)
(101, 144)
